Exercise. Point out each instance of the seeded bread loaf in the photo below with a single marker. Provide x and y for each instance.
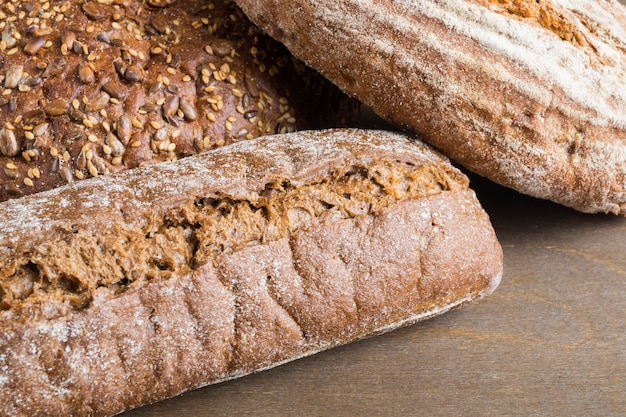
(530, 94)
(92, 87)
(126, 289)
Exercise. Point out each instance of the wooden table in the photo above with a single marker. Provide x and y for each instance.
(551, 341)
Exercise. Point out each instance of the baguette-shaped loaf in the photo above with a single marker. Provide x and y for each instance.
(95, 87)
(131, 288)
(530, 94)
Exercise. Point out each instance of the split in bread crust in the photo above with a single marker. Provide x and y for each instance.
(131, 288)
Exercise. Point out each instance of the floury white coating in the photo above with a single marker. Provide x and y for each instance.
(559, 64)
(528, 94)
(166, 283)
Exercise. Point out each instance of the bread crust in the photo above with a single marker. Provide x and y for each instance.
(528, 94)
(121, 290)
(93, 87)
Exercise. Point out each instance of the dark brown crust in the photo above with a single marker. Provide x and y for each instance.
(326, 271)
(528, 94)
(118, 84)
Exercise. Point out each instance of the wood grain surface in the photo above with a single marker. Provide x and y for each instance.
(551, 341)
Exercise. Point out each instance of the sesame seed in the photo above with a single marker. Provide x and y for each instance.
(29, 135)
(155, 125)
(10, 165)
(79, 174)
(135, 144)
(211, 117)
(28, 182)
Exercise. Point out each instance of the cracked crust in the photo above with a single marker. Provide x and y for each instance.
(528, 94)
(131, 288)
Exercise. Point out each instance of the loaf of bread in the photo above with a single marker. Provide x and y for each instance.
(530, 94)
(130, 288)
(92, 87)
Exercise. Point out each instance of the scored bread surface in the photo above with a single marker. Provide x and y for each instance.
(131, 288)
(93, 87)
(528, 94)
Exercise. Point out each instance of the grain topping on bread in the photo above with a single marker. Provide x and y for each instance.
(94, 87)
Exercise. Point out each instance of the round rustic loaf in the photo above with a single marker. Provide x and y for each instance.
(92, 87)
(529, 94)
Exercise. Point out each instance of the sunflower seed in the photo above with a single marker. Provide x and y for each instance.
(98, 102)
(85, 73)
(188, 110)
(133, 74)
(57, 107)
(8, 143)
(94, 10)
(124, 128)
(171, 106)
(117, 147)
(115, 89)
(41, 129)
(7, 36)
(13, 76)
(34, 45)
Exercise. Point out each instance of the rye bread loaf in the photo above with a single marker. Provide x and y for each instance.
(92, 87)
(130, 288)
(530, 94)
